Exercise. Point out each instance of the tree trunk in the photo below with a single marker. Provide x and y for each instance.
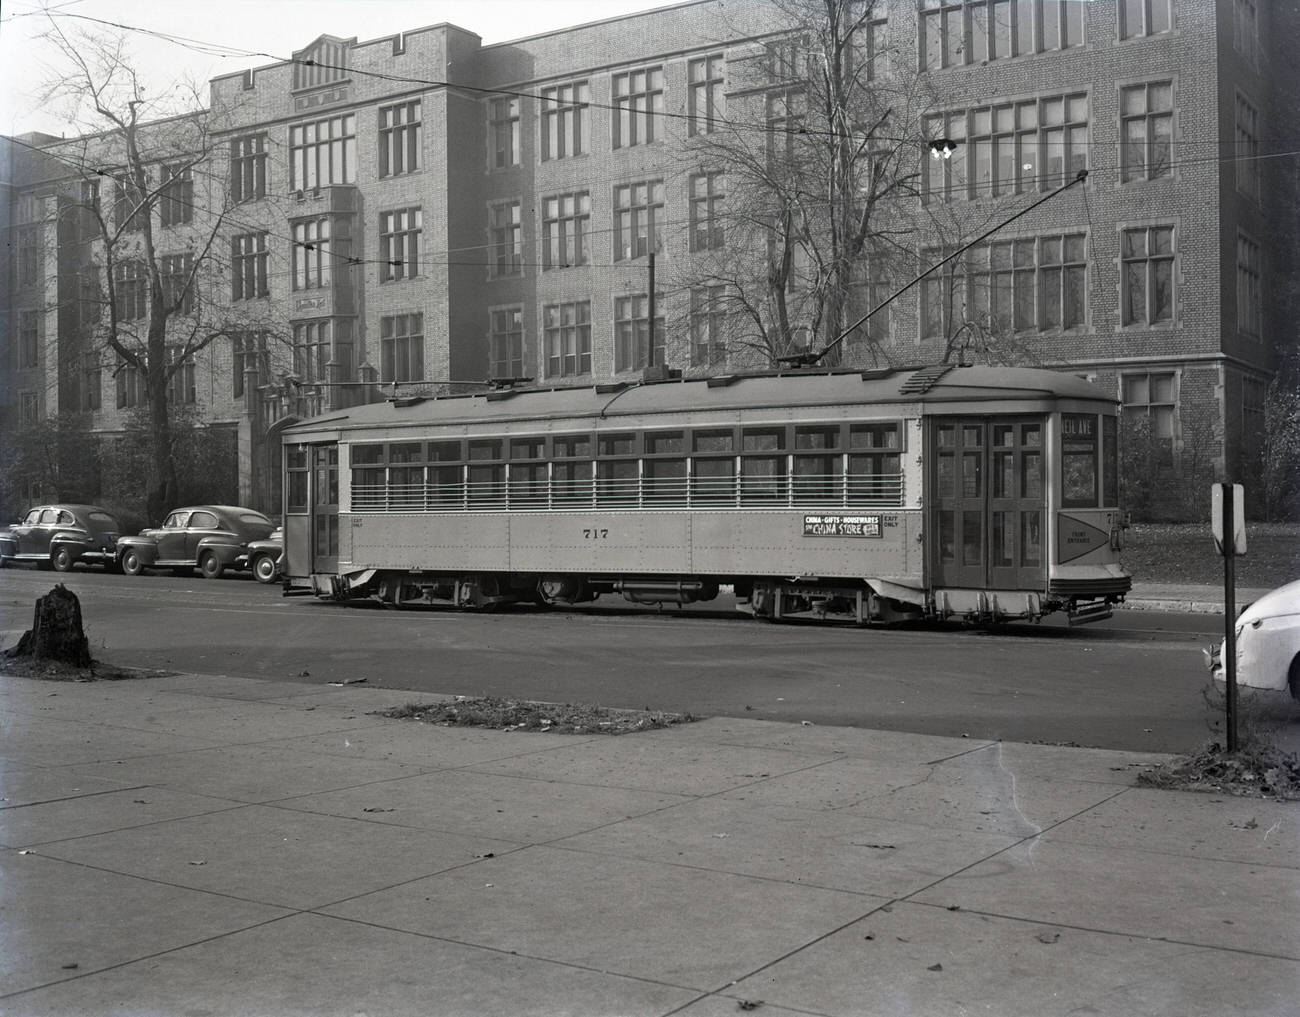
(56, 632)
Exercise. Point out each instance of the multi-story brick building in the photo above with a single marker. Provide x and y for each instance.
(421, 208)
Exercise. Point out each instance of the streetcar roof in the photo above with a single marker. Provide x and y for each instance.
(1030, 389)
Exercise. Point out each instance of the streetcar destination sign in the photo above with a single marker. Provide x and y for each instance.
(841, 526)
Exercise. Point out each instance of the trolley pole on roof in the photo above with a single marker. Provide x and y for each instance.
(809, 359)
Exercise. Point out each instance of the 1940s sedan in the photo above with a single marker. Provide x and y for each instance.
(59, 536)
(211, 538)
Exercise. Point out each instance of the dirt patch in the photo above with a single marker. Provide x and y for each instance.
(1256, 771)
(519, 715)
(56, 671)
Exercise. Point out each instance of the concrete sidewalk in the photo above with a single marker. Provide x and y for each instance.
(226, 846)
(1187, 597)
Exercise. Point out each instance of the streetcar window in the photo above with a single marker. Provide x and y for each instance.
(618, 444)
(481, 451)
(406, 487)
(367, 455)
(714, 481)
(573, 446)
(448, 486)
(767, 439)
(1110, 460)
(665, 481)
(527, 448)
(571, 482)
(445, 451)
(664, 443)
(1079, 461)
(762, 479)
(406, 452)
(816, 437)
(486, 482)
(875, 465)
(528, 482)
(296, 495)
(1031, 537)
(616, 481)
(714, 441)
(368, 489)
(817, 477)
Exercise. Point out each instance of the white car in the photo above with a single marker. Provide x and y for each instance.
(1268, 644)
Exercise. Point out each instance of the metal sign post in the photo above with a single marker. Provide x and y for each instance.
(1228, 520)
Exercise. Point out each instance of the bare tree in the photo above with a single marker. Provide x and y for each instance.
(820, 148)
(154, 220)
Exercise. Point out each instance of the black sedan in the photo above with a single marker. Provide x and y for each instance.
(211, 538)
(59, 536)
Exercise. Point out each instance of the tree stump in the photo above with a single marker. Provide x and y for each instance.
(56, 632)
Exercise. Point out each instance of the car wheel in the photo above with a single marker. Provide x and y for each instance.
(264, 568)
(131, 564)
(61, 558)
(210, 566)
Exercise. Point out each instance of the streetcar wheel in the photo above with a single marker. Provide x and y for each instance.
(264, 568)
(131, 563)
(61, 558)
(210, 566)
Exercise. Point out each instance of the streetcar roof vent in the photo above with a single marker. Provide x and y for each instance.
(723, 380)
(924, 379)
(613, 386)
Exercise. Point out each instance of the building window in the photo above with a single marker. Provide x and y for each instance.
(181, 390)
(324, 62)
(401, 348)
(1144, 17)
(706, 325)
(1148, 284)
(249, 266)
(1248, 287)
(248, 357)
(323, 152)
(130, 385)
(566, 220)
(705, 100)
(29, 255)
(29, 407)
(638, 105)
(505, 239)
(635, 345)
(503, 129)
(785, 117)
(955, 33)
(312, 258)
(1007, 286)
(177, 271)
(130, 291)
(399, 244)
(248, 168)
(637, 210)
(1152, 398)
(176, 196)
(91, 381)
(1146, 129)
(706, 195)
(506, 343)
(566, 120)
(1011, 148)
(129, 206)
(311, 350)
(399, 139)
(29, 340)
(1247, 161)
(1245, 34)
(567, 336)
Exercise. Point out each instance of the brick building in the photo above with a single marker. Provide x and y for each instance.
(420, 209)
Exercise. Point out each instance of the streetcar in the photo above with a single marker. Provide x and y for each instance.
(976, 494)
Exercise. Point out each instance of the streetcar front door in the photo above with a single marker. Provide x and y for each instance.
(987, 507)
(325, 508)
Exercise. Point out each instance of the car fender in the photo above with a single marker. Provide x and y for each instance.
(146, 548)
(222, 547)
(79, 538)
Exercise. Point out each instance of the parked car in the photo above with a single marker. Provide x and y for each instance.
(59, 536)
(211, 538)
(264, 557)
(1268, 644)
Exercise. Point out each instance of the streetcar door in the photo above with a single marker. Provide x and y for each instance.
(325, 508)
(987, 503)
